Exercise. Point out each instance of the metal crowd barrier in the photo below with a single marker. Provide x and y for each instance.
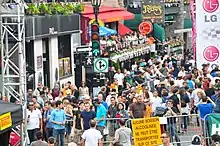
(181, 128)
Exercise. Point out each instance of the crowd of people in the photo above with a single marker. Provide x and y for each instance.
(154, 87)
(117, 43)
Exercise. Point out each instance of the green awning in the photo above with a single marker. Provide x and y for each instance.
(134, 23)
(159, 32)
(187, 23)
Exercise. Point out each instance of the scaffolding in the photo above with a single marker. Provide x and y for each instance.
(13, 60)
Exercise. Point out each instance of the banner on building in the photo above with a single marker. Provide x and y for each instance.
(192, 9)
(153, 10)
(214, 124)
(208, 32)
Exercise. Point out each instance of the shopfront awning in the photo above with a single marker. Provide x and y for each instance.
(134, 23)
(122, 29)
(108, 14)
(159, 32)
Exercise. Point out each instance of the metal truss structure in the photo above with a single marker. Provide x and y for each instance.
(13, 60)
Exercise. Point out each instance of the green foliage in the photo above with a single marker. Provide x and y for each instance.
(32, 9)
(44, 9)
(79, 7)
(70, 7)
(54, 8)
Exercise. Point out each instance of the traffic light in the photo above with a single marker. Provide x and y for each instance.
(95, 39)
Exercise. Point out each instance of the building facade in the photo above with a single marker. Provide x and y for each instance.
(49, 49)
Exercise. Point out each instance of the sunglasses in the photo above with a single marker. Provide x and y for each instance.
(163, 137)
(31, 105)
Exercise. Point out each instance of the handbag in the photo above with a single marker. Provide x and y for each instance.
(105, 131)
(159, 111)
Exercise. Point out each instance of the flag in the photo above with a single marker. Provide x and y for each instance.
(214, 124)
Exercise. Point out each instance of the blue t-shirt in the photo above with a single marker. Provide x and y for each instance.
(205, 109)
(190, 84)
(100, 112)
(58, 116)
(48, 122)
(87, 116)
(105, 104)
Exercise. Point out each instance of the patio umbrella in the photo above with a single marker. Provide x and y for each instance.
(104, 31)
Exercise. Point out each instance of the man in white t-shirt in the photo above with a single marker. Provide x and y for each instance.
(92, 137)
(34, 121)
(120, 78)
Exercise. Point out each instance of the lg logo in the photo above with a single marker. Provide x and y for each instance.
(211, 53)
(210, 6)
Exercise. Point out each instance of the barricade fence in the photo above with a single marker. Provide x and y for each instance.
(181, 128)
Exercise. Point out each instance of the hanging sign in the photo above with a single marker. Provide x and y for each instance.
(5, 121)
(145, 27)
(207, 32)
(153, 10)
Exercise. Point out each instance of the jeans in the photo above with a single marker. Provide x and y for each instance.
(101, 129)
(205, 130)
(172, 129)
(195, 111)
(112, 126)
(32, 134)
(185, 121)
(59, 136)
(49, 132)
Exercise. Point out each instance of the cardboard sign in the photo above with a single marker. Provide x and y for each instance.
(146, 132)
(5, 121)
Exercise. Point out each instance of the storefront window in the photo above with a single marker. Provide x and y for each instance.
(64, 49)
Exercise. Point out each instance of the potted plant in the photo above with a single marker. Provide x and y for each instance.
(64, 10)
(70, 8)
(56, 8)
(44, 9)
(32, 9)
(79, 8)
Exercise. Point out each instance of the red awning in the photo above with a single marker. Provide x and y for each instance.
(122, 29)
(108, 14)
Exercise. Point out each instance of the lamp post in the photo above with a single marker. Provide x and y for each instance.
(95, 38)
(96, 4)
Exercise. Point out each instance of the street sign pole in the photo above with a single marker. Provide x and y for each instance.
(100, 65)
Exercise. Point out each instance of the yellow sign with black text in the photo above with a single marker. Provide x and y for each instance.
(146, 132)
(5, 121)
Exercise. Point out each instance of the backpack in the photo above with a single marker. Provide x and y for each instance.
(159, 112)
(217, 108)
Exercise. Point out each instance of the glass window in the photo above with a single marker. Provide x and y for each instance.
(64, 53)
